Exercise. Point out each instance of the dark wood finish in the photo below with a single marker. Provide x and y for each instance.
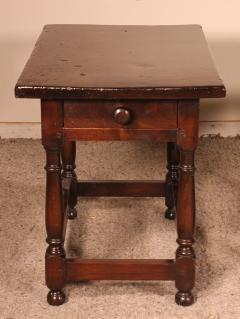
(68, 159)
(112, 134)
(114, 62)
(66, 183)
(103, 83)
(122, 188)
(171, 180)
(188, 118)
(120, 269)
(161, 115)
(52, 122)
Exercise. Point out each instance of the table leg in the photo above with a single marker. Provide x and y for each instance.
(55, 267)
(55, 272)
(188, 117)
(185, 256)
(68, 160)
(171, 180)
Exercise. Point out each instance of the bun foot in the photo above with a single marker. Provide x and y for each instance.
(72, 213)
(170, 213)
(56, 297)
(184, 298)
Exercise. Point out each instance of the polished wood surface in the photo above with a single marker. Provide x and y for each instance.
(172, 179)
(180, 154)
(188, 122)
(68, 165)
(113, 134)
(51, 113)
(122, 188)
(120, 269)
(101, 114)
(105, 83)
(112, 62)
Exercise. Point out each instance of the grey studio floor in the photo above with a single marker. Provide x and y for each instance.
(120, 228)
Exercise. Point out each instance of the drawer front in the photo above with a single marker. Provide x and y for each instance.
(159, 115)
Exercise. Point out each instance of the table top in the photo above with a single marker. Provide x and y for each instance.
(112, 62)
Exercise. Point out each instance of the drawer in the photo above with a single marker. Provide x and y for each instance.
(159, 115)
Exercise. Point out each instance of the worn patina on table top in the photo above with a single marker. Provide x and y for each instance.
(87, 61)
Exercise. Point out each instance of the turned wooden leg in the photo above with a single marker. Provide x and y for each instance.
(68, 160)
(55, 255)
(185, 256)
(171, 180)
(188, 115)
(55, 272)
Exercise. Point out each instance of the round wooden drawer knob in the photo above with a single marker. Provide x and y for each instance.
(122, 116)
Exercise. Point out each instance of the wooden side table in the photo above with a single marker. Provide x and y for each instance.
(102, 83)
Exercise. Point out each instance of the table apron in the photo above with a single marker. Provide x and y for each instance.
(110, 134)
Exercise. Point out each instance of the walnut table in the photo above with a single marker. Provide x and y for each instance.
(122, 83)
